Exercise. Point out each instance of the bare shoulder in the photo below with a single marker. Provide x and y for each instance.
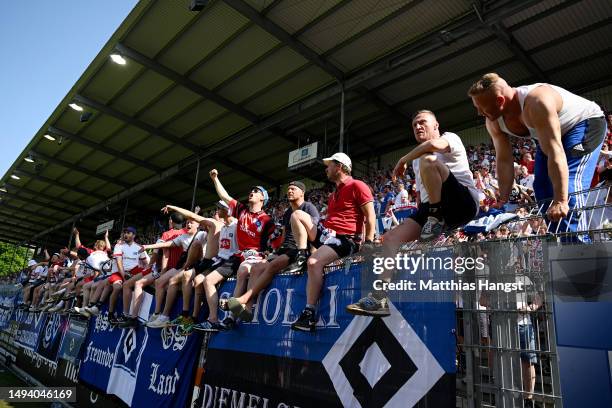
(540, 100)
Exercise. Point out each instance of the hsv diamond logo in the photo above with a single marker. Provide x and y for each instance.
(381, 363)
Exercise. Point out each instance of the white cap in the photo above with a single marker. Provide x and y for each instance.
(32, 262)
(340, 158)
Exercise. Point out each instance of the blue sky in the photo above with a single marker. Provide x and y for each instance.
(45, 47)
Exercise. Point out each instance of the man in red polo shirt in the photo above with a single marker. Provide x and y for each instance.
(340, 235)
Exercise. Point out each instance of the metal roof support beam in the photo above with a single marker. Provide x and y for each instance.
(275, 30)
(187, 83)
(59, 184)
(22, 221)
(32, 201)
(83, 170)
(18, 189)
(507, 38)
(463, 26)
(165, 135)
(22, 210)
(108, 150)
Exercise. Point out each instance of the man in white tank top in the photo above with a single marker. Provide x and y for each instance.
(569, 129)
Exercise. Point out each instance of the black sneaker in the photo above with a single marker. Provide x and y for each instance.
(300, 262)
(228, 323)
(113, 320)
(306, 322)
(128, 322)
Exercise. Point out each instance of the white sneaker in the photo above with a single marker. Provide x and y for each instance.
(57, 307)
(159, 323)
(82, 311)
(152, 318)
(94, 311)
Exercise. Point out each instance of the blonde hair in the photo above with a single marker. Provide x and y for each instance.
(486, 82)
(100, 245)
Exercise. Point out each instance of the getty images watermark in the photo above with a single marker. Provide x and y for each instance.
(410, 272)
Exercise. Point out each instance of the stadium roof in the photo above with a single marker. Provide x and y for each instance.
(243, 82)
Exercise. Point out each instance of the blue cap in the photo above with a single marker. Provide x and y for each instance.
(264, 192)
(130, 229)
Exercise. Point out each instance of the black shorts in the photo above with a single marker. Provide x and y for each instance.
(290, 251)
(457, 203)
(227, 268)
(203, 265)
(346, 246)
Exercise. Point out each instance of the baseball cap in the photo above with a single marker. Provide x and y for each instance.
(130, 229)
(299, 185)
(222, 204)
(32, 262)
(340, 158)
(264, 192)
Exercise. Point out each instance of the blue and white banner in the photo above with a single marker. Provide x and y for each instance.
(29, 326)
(51, 336)
(73, 340)
(351, 361)
(143, 367)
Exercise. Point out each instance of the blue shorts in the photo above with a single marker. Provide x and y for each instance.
(527, 342)
(582, 145)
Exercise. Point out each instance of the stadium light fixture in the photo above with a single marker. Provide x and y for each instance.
(76, 107)
(3, 189)
(49, 137)
(15, 177)
(29, 159)
(118, 59)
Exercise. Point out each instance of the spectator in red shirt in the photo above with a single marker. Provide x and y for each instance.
(338, 236)
(528, 162)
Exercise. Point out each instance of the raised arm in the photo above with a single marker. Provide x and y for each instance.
(214, 175)
(77, 237)
(107, 241)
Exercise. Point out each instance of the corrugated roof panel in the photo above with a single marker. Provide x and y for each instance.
(347, 22)
(47, 147)
(142, 91)
(150, 147)
(465, 43)
(263, 74)
(170, 156)
(101, 128)
(574, 49)
(69, 120)
(73, 152)
(202, 113)
(118, 169)
(171, 104)
(563, 22)
(219, 129)
(163, 21)
(259, 5)
(245, 49)
(111, 79)
(217, 23)
(531, 11)
(402, 29)
(288, 91)
(597, 69)
(98, 161)
(127, 138)
(292, 15)
(464, 64)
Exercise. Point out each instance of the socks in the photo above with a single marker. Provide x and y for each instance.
(435, 210)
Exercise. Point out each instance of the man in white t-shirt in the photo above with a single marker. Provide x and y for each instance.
(193, 238)
(447, 197)
(526, 179)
